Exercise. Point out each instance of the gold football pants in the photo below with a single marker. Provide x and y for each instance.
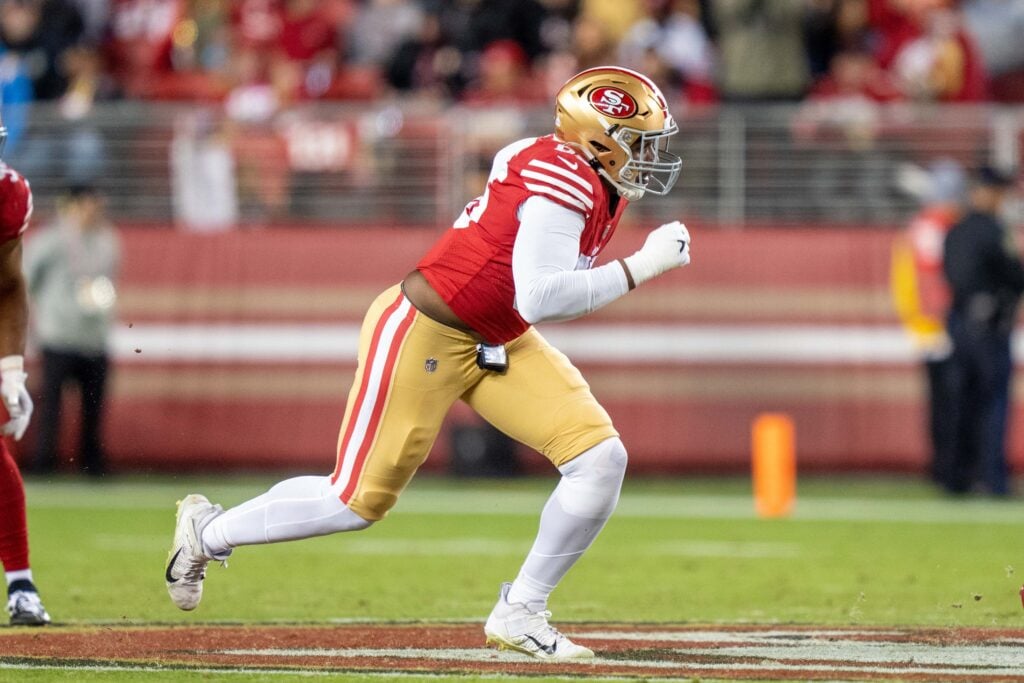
(412, 369)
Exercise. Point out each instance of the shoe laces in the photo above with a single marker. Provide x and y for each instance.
(195, 569)
(24, 601)
(538, 622)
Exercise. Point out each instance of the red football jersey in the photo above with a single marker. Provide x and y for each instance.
(15, 203)
(927, 234)
(471, 265)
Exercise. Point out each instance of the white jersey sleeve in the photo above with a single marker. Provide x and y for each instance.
(544, 260)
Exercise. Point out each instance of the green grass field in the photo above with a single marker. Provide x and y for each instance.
(856, 552)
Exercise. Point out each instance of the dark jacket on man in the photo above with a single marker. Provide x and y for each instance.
(984, 272)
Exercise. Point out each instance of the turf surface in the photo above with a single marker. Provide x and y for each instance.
(855, 552)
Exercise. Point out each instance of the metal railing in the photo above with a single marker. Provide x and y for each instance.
(395, 163)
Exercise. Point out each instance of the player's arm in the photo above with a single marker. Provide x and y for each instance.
(13, 300)
(13, 321)
(16, 201)
(544, 259)
(547, 249)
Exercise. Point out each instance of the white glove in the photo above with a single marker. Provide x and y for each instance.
(15, 396)
(666, 247)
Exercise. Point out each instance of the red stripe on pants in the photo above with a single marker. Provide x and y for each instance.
(378, 406)
(358, 404)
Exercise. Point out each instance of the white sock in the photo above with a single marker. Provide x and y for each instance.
(572, 518)
(20, 575)
(296, 508)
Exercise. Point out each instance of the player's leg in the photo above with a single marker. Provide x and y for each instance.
(544, 402)
(395, 409)
(296, 508)
(304, 507)
(23, 604)
(572, 518)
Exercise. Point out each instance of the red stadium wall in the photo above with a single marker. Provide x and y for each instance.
(754, 296)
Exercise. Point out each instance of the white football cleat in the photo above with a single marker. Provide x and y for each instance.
(515, 627)
(186, 562)
(26, 609)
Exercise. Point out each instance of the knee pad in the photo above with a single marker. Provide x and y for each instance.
(346, 520)
(337, 516)
(591, 481)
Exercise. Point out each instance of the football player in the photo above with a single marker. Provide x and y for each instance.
(23, 602)
(460, 326)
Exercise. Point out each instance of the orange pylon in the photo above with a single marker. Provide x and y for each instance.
(773, 445)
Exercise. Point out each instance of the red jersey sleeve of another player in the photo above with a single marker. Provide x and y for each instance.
(15, 203)
(554, 171)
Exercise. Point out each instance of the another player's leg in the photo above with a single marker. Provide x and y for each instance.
(23, 603)
(544, 402)
(394, 411)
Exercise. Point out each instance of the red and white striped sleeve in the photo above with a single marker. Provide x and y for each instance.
(557, 173)
(15, 203)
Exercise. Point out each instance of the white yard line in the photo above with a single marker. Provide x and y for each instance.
(305, 673)
(935, 666)
(725, 636)
(484, 502)
(999, 657)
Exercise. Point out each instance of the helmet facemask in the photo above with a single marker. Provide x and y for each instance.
(649, 166)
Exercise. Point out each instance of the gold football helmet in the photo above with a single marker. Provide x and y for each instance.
(620, 121)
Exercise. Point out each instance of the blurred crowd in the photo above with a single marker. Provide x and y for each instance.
(258, 55)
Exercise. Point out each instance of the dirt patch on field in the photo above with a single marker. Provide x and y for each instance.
(627, 650)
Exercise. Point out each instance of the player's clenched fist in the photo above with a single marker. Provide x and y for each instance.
(667, 247)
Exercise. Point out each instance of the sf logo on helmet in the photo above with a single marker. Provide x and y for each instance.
(613, 102)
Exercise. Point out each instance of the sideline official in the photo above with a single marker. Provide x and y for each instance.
(70, 269)
(985, 274)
